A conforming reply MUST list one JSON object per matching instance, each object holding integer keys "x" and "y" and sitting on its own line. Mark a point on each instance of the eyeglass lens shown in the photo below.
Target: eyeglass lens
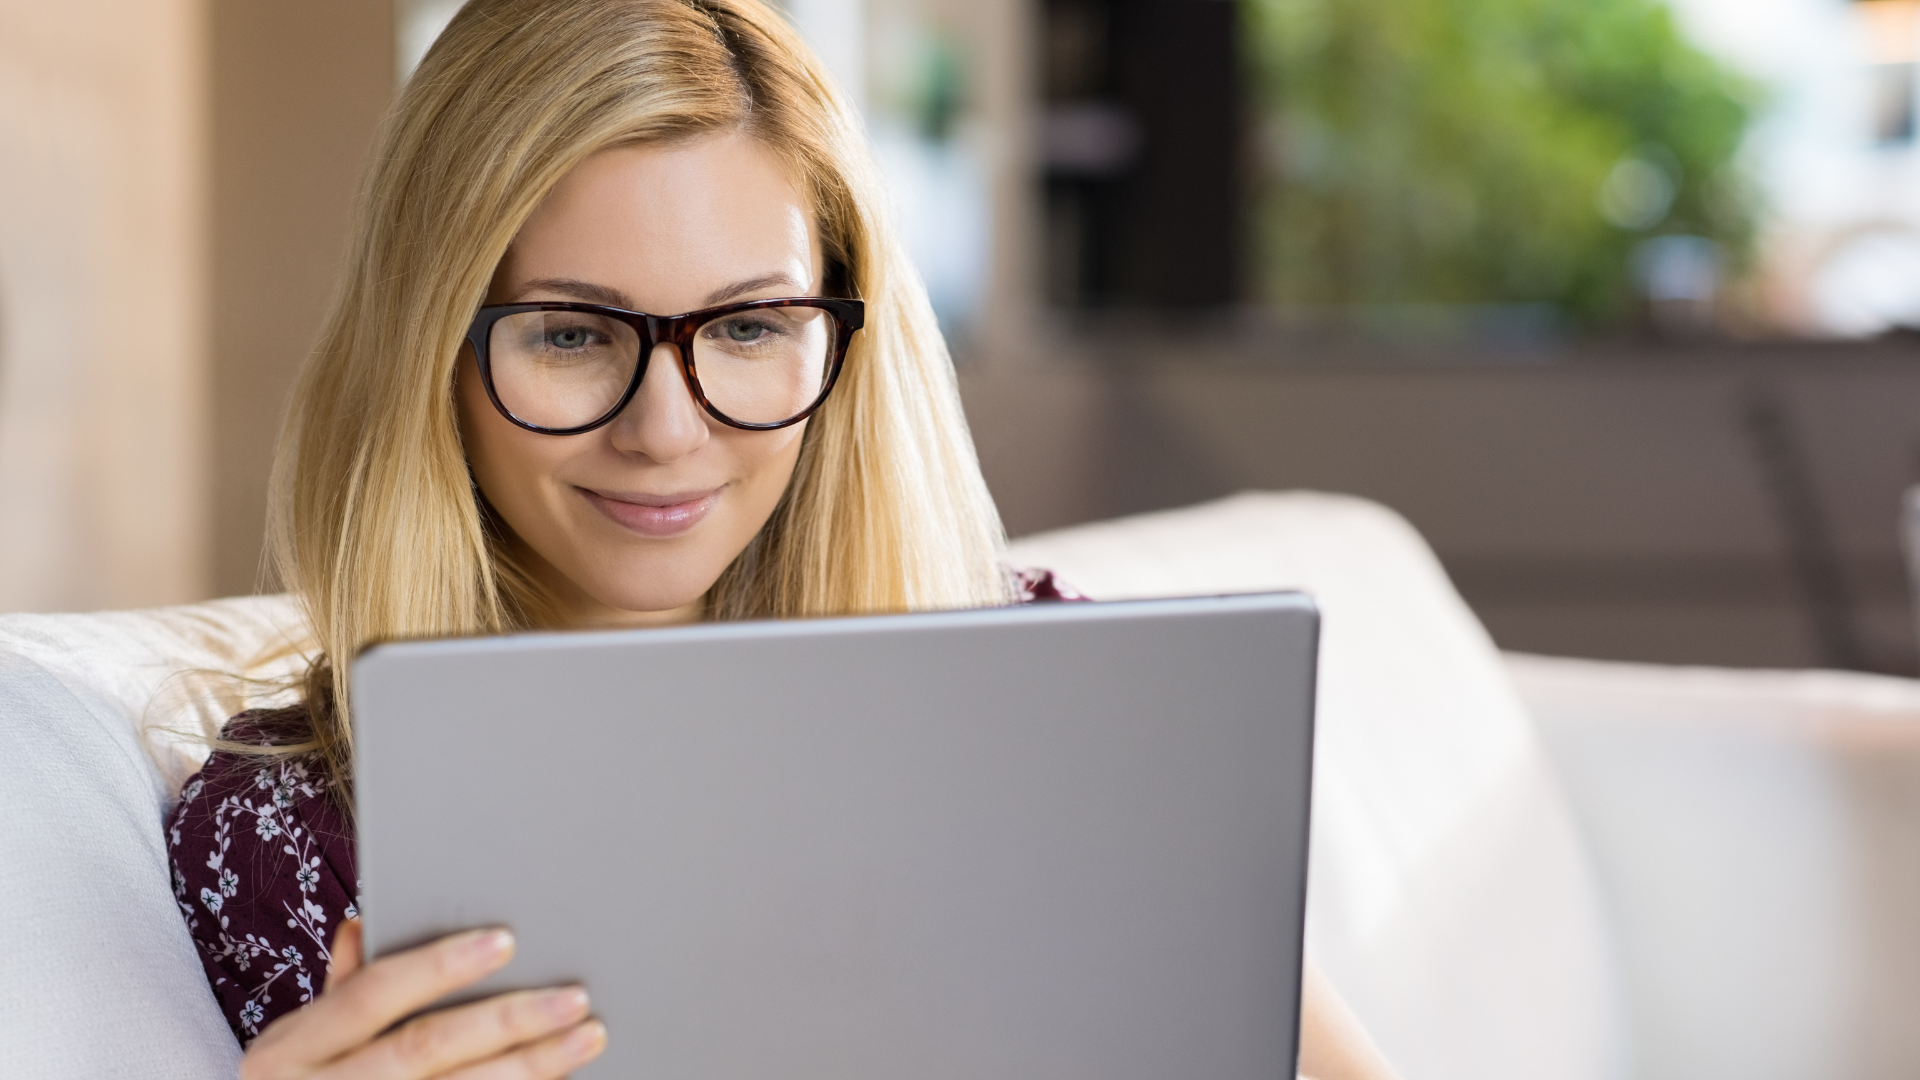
{"x": 564, "y": 369}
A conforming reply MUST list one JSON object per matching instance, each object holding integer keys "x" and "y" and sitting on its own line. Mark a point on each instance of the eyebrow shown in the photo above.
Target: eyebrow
{"x": 583, "y": 291}
{"x": 741, "y": 288}
{"x": 593, "y": 293}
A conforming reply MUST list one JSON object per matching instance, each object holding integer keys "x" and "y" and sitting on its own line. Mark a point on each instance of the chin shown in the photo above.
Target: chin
{"x": 661, "y": 591}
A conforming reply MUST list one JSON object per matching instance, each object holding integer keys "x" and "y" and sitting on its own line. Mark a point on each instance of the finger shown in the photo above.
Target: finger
{"x": 347, "y": 952}
{"x": 551, "y": 1057}
{"x": 375, "y": 997}
{"x": 436, "y": 1044}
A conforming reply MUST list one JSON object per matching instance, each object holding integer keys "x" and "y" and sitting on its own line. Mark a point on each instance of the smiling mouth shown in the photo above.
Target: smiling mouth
{"x": 654, "y": 515}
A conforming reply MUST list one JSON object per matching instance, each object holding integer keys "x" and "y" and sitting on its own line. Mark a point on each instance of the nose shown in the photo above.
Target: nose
{"x": 663, "y": 422}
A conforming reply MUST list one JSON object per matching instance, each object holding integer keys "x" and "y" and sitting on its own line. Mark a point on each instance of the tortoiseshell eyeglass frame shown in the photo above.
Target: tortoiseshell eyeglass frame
{"x": 678, "y": 331}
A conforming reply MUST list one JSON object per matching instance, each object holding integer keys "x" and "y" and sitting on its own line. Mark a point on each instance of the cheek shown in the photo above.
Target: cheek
{"x": 766, "y": 458}
{"x": 477, "y": 436}
{"x": 506, "y": 461}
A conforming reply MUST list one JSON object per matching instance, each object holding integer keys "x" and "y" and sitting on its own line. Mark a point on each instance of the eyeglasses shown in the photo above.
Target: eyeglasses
{"x": 566, "y": 369}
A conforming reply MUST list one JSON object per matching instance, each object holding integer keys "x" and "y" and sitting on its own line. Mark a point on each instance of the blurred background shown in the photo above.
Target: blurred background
{"x": 1618, "y": 301}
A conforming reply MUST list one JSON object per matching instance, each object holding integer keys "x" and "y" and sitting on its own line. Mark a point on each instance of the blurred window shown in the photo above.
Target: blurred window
{"x": 1530, "y": 170}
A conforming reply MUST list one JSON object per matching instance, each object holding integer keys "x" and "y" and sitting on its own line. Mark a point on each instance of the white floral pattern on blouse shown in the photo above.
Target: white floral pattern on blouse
{"x": 263, "y": 871}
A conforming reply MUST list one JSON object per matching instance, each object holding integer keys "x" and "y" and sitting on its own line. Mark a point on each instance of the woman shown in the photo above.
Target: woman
{"x": 489, "y": 437}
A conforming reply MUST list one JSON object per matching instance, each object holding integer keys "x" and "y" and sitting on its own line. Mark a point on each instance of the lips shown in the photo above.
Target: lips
{"x": 654, "y": 515}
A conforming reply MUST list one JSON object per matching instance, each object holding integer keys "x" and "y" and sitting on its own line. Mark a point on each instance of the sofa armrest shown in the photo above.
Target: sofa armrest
{"x": 1758, "y": 839}
{"x": 97, "y": 974}
{"x": 1451, "y": 899}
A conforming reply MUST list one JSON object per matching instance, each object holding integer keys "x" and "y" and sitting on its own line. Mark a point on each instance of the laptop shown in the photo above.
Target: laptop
{"x": 1037, "y": 843}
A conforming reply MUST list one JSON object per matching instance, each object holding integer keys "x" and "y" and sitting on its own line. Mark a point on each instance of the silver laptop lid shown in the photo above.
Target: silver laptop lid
{"x": 1057, "y": 841}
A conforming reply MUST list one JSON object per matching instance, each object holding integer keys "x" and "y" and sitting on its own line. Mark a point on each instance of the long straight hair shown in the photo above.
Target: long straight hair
{"x": 375, "y": 523}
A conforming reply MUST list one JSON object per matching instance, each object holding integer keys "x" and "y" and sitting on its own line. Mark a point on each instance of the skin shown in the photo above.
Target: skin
{"x": 1333, "y": 1045}
{"x": 662, "y": 230}
{"x": 519, "y": 1036}
{"x": 627, "y": 525}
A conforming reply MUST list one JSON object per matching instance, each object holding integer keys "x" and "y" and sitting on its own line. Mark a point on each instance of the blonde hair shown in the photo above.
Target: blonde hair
{"x": 375, "y": 524}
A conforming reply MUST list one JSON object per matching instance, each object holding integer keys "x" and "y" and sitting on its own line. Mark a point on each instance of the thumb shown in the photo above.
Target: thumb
{"x": 346, "y": 953}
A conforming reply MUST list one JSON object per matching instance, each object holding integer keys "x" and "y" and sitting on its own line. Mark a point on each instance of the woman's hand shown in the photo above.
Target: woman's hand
{"x": 1333, "y": 1045}
{"x": 528, "y": 1035}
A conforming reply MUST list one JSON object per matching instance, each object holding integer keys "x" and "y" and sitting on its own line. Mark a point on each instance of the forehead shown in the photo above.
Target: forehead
{"x": 668, "y": 224}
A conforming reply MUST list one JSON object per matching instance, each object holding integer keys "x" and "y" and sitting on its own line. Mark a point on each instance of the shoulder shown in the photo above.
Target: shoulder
{"x": 235, "y": 768}
{"x": 273, "y": 789}
{"x": 258, "y": 798}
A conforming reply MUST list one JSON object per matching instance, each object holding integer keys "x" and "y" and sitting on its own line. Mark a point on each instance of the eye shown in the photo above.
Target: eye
{"x": 745, "y": 330}
{"x": 569, "y": 337}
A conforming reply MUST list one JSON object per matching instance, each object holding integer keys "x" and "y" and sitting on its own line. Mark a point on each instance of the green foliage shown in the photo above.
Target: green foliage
{"x": 1455, "y": 151}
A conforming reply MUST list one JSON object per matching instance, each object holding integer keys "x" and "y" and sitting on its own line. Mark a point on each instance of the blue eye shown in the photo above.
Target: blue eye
{"x": 569, "y": 337}
{"x": 743, "y": 330}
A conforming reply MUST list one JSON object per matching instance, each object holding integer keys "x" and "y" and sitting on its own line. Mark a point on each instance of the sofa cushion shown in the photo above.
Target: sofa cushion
{"x": 1758, "y": 833}
{"x": 97, "y": 974}
{"x": 98, "y": 977}
{"x": 1451, "y": 900}
{"x": 167, "y": 671}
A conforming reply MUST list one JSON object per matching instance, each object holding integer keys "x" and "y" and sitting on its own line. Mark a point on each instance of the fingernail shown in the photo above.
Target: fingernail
{"x": 586, "y": 1040}
{"x": 491, "y": 946}
{"x": 565, "y": 1004}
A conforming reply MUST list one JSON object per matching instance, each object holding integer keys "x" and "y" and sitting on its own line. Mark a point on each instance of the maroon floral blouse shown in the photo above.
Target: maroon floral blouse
{"x": 264, "y": 869}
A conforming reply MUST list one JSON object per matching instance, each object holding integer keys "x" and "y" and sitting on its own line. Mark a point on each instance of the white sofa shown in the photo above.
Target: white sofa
{"x": 1757, "y": 837}
{"x": 1523, "y": 869}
